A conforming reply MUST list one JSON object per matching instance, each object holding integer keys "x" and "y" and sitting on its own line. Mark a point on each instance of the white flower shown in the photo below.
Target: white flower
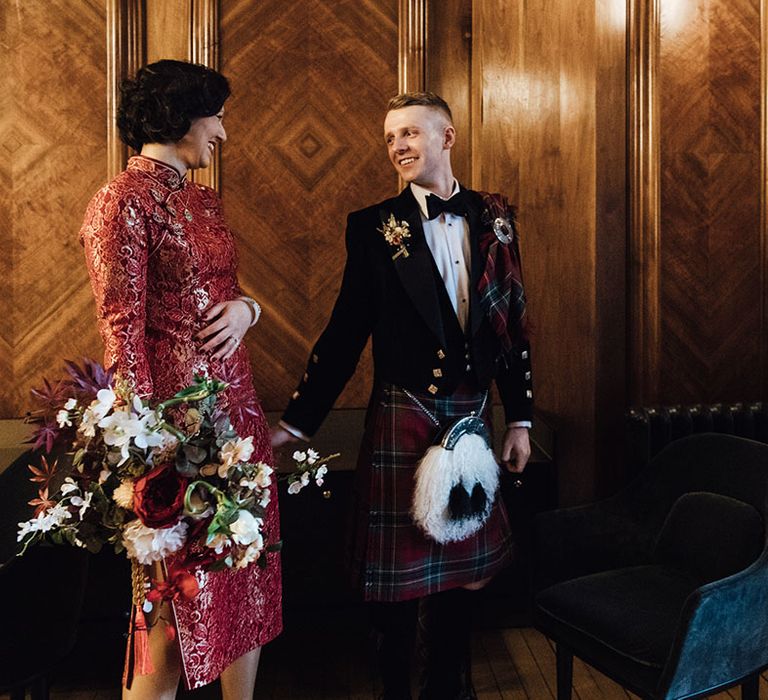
{"x": 305, "y": 478}
{"x": 51, "y": 519}
{"x": 123, "y": 427}
{"x": 97, "y": 409}
{"x": 262, "y": 479}
{"x": 82, "y": 503}
{"x": 312, "y": 456}
{"x": 233, "y": 452}
{"x": 71, "y": 403}
{"x": 105, "y": 400}
{"x": 321, "y": 472}
{"x": 251, "y": 554}
{"x": 265, "y": 498}
{"x": 89, "y": 422}
{"x": 299, "y": 456}
{"x": 68, "y": 486}
{"x": 264, "y": 475}
{"x": 146, "y": 544}
{"x": 166, "y": 450}
{"x": 218, "y": 542}
{"x": 319, "y": 482}
{"x": 63, "y": 419}
{"x": 246, "y": 529}
{"x": 295, "y": 487}
{"x": 123, "y": 494}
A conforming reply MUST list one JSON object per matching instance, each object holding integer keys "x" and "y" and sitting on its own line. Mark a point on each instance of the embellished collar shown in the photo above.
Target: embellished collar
{"x": 162, "y": 172}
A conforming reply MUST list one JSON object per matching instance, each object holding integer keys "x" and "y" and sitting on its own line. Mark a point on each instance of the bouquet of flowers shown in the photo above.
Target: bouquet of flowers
{"x": 169, "y": 479}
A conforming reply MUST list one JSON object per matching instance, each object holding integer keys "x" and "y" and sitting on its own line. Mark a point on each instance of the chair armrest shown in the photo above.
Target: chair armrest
{"x": 723, "y": 632}
{"x": 572, "y": 542}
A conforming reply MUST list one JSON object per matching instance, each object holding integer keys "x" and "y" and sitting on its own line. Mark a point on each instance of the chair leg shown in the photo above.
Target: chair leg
{"x": 40, "y": 689}
{"x": 750, "y": 688}
{"x": 564, "y": 662}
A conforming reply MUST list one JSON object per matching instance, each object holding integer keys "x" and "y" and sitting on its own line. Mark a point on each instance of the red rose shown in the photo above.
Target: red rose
{"x": 158, "y": 496}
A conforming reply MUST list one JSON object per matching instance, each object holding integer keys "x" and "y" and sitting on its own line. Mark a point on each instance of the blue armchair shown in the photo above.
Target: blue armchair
{"x": 664, "y": 586}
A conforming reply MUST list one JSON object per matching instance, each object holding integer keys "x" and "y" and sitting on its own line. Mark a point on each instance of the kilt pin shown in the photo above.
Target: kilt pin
{"x": 394, "y": 293}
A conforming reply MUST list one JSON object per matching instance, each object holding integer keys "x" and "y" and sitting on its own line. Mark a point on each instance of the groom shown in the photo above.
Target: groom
{"x": 434, "y": 276}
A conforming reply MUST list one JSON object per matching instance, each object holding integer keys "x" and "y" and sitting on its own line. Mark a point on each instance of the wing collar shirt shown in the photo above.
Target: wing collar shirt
{"x": 448, "y": 239}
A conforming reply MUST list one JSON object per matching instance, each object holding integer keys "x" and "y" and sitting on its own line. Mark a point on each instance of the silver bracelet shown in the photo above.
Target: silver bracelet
{"x": 255, "y": 308}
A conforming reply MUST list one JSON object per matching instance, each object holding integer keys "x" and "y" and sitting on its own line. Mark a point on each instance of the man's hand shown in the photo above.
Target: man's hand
{"x": 281, "y": 437}
{"x": 515, "y": 449}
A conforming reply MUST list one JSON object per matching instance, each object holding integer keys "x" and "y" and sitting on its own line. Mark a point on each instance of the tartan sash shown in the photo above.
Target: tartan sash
{"x": 501, "y": 285}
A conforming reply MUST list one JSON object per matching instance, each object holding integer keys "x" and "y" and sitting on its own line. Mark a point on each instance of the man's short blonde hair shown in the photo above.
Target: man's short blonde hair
{"x": 424, "y": 99}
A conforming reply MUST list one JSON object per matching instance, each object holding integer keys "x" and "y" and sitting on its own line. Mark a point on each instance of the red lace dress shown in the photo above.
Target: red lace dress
{"x": 159, "y": 254}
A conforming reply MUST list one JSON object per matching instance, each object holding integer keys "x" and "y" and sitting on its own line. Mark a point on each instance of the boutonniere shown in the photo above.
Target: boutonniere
{"x": 395, "y": 232}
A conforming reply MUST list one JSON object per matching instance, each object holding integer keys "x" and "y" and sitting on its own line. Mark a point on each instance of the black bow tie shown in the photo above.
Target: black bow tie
{"x": 455, "y": 205}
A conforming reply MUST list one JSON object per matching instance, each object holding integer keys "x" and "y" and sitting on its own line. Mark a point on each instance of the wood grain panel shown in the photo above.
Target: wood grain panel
{"x": 55, "y": 159}
{"x": 610, "y": 241}
{"x": 548, "y": 105}
{"x": 644, "y": 175}
{"x": 711, "y": 267}
{"x": 305, "y": 148}
{"x": 169, "y": 25}
{"x": 449, "y": 71}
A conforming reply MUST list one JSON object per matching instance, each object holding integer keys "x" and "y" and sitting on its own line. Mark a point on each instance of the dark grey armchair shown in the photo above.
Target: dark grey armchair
{"x": 664, "y": 587}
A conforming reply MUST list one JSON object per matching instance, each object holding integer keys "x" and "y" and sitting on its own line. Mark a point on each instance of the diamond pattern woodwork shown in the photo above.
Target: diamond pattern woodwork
{"x": 310, "y": 81}
{"x": 711, "y": 294}
{"x": 52, "y": 142}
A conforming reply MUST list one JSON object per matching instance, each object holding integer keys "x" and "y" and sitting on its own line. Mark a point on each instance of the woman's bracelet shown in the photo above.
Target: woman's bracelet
{"x": 255, "y": 308}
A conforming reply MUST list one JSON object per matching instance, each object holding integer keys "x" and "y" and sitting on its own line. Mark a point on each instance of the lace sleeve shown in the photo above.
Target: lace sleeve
{"x": 114, "y": 236}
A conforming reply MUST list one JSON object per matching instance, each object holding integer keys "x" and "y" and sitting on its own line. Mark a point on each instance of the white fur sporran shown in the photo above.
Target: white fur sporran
{"x": 456, "y": 483}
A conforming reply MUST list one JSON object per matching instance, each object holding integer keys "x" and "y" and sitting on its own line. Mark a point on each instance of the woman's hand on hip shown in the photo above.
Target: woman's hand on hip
{"x": 229, "y": 322}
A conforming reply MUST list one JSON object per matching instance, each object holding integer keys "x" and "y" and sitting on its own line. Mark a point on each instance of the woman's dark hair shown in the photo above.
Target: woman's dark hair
{"x": 159, "y": 104}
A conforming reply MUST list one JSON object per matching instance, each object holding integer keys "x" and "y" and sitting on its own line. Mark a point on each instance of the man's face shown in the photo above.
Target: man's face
{"x": 419, "y": 140}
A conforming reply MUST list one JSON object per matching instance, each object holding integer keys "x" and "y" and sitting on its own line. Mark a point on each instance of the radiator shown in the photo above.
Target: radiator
{"x": 650, "y": 429}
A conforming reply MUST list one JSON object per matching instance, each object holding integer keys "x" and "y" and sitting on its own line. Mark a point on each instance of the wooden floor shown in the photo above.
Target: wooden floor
{"x": 330, "y": 659}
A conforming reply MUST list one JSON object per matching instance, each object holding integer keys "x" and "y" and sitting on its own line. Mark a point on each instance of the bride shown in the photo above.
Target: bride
{"x": 162, "y": 265}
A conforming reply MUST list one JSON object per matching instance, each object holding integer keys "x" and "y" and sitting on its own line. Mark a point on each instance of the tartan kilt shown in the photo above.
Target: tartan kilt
{"x": 389, "y": 556}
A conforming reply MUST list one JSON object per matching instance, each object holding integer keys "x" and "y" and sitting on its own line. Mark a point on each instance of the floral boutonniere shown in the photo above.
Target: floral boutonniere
{"x": 395, "y": 232}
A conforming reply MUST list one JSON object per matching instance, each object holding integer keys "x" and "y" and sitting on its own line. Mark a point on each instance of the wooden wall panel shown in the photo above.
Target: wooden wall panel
{"x": 169, "y": 24}
{"x": 548, "y": 128}
{"x": 310, "y": 84}
{"x": 449, "y": 72}
{"x": 53, "y": 133}
{"x": 711, "y": 265}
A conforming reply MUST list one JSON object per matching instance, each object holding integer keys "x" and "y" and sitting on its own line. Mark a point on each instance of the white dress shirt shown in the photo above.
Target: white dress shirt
{"x": 448, "y": 240}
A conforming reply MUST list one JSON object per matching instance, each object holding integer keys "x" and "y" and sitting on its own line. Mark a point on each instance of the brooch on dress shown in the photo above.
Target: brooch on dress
{"x": 395, "y": 232}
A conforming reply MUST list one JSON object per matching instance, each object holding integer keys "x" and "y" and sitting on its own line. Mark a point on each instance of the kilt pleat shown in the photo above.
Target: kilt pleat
{"x": 390, "y": 557}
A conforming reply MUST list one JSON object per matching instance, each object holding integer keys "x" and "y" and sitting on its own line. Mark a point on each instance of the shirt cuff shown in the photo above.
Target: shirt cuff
{"x": 519, "y": 424}
{"x": 293, "y": 431}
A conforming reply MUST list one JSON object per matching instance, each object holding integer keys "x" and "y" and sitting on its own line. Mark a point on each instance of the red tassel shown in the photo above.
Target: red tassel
{"x": 138, "y": 661}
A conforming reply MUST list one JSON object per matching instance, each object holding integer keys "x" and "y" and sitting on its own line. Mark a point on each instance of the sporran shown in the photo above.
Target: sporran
{"x": 456, "y": 479}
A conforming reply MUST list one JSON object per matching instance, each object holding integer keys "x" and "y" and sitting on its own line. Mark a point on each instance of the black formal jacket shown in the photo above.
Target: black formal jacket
{"x": 418, "y": 343}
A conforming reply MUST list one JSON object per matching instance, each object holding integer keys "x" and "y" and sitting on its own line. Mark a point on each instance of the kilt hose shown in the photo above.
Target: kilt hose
{"x": 390, "y": 558}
